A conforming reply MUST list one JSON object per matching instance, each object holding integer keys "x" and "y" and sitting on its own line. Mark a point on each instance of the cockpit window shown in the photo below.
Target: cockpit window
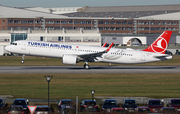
{"x": 14, "y": 43}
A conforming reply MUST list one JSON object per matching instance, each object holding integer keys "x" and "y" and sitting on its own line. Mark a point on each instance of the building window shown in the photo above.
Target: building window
{"x": 124, "y": 22}
{"x": 141, "y": 28}
{"x": 37, "y": 22}
{"x": 37, "y": 28}
{"x": 113, "y": 38}
{"x": 168, "y": 23}
{"x": 118, "y": 28}
{"x": 140, "y": 23}
{"x": 88, "y": 28}
{"x": 76, "y": 22}
{"x": 41, "y": 38}
{"x": 3, "y": 21}
{"x": 146, "y": 23}
{"x": 100, "y": 28}
{"x": 118, "y": 22}
{"x": 82, "y": 22}
{"x": 174, "y": 23}
{"x": 50, "y": 28}
{"x": 70, "y": 28}
{"x": 152, "y": 28}
{"x": 70, "y": 22}
{"x": 124, "y": 28}
{"x": 76, "y": 27}
{"x": 3, "y": 27}
{"x": 129, "y": 28}
{"x": 10, "y": 21}
{"x": 17, "y": 21}
{"x": 57, "y": 22}
{"x": 106, "y": 22}
{"x": 56, "y": 28}
{"x": 17, "y": 28}
{"x": 163, "y": 23}
{"x": 106, "y": 28}
{"x": 112, "y": 22}
{"x": 130, "y": 22}
{"x": 146, "y": 28}
{"x": 163, "y": 28}
{"x": 151, "y": 23}
{"x": 88, "y": 22}
{"x": 157, "y": 28}
{"x": 24, "y": 21}
{"x": 63, "y": 22}
{"x": 60, "y": 38}
{"x": 101, "y": 22}
{"x": 31, "y": 28}
{"x": 158, "y": 23}
{"x": 113, "y": 28}
{"x": 49, "y": 22}
{"x": 30, "y": 21}
{"x": 9, "y": 28}
{"x": 23, "y": 28}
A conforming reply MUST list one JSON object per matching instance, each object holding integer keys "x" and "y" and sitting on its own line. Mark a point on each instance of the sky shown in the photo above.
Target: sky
{"x": 82, "y": 3}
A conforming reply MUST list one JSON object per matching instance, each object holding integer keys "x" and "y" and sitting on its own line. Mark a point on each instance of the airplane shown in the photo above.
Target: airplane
{"x": 72, "y": 54}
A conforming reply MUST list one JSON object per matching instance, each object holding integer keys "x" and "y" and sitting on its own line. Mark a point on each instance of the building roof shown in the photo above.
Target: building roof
{"x": 132, "y": 14}
{"x": 131, "y": 8}
{"x": 12, "y": 12}
{"x": 60, "y": 10}
{"x": 156, "y": 12}
{"x": 166, "y": 16}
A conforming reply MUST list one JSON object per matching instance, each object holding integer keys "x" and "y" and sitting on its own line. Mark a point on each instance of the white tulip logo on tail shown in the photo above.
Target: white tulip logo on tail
{"x": 160, "y": 45}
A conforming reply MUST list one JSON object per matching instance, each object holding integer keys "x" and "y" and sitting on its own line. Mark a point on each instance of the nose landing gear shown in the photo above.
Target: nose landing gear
{"x": 23, "y": 59}
{"x": 86, "y": 66}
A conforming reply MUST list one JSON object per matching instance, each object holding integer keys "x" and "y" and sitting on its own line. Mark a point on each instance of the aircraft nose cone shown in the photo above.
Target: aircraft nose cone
{"x": 7, "y": 48}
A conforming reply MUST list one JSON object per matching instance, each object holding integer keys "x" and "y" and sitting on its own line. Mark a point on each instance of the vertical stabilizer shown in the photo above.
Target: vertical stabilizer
{"x": 160, "y": 44}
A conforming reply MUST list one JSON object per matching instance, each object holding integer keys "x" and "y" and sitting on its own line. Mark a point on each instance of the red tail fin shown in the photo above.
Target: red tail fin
{"x": 160, "y": 44}
{"x": 104, "y": 45}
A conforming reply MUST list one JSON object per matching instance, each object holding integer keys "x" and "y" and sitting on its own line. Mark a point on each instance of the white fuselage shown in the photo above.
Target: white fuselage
{"x": 57, "y": 50}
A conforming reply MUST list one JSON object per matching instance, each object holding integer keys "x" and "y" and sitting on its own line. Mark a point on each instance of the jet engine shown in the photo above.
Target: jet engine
{"x": 69, "y": 59}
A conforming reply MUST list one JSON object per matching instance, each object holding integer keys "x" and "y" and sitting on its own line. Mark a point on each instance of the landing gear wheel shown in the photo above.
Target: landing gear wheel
{"x": 22, "y": 61}
{"x": 86, "y": 66}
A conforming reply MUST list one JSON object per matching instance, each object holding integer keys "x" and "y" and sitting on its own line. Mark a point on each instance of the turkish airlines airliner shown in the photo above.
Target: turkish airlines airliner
{"x": 71, "y": 54}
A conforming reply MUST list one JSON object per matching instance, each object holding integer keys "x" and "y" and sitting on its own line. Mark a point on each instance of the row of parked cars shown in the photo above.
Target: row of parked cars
{"x": 66, "y": 106}
{"x": 129, "y": 106}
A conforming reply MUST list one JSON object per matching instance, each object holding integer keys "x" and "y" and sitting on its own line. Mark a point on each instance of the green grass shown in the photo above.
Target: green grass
{"x": 40, "y": 61}
{"x": 71, "y": 85}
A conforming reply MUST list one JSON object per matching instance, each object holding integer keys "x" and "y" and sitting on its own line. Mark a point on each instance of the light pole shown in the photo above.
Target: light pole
{"x": 48, "y": 78}
{"x": 92, "y": 92}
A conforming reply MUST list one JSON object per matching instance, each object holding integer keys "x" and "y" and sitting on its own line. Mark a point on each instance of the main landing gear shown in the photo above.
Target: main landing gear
{"x": 86, "y": 66}
{"x": 23, "y": 59}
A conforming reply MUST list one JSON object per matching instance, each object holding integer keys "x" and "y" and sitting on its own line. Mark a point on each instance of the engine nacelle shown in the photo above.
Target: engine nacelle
{"x": 69, "y": 59}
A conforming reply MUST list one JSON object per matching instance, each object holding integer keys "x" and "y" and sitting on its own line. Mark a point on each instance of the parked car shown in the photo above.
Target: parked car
{"x": 143, "y": 110}
{"x": 168, "y": 110}
{"x": 129, "y": 105}
{"x": 42, "y": 110}
{"x": 155, "y": 105}
{"x": 117, "y": 110}
{"x": 89, "y": 105}
{"x": 65, "y": 103}
{"x": 21, "y": 101}
{"x": 17, "y": 109}
{"x": 174, "y": 103}
{"x": 69, "y": 110}
{"x": 2, "y": 104}
{"x": 108, "y": 104}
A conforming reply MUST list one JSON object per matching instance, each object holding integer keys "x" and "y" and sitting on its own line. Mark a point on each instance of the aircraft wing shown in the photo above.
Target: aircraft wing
{"x": 92, "y": 56}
